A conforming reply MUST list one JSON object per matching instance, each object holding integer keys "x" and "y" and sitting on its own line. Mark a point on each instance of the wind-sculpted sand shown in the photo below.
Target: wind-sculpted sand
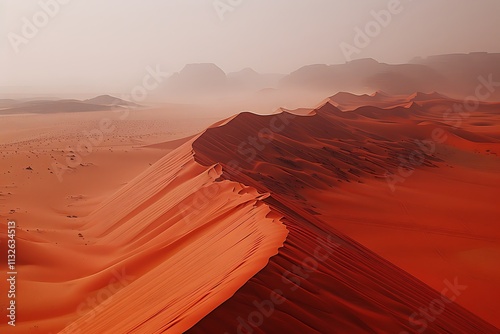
{"x": 324, "y": 221}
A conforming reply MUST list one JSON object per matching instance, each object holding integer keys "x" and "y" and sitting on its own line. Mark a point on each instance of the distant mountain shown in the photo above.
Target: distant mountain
{"x": 453, "y": 75}
{"x": 252, "y": 80}
{"x": 205, "y": 78}
{"x": 107, "y": 100}
{"x": 244, "y": 75}
{"x": 456, "y": 75}
{"x": 363, "y": 75}
{"x": 99, "y": 103}
{"x": 462, "y": 71}
{"x": 7, "y": 103}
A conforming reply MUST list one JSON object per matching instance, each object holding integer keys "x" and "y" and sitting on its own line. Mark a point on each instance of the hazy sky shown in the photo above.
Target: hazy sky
{"x": 107, "y": 44}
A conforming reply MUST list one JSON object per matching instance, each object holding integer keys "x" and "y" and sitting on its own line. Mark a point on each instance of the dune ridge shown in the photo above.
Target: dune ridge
{"x": 354, "y": 290}
{"x": 267, "y": 209}
{"x": 162, "y": 239}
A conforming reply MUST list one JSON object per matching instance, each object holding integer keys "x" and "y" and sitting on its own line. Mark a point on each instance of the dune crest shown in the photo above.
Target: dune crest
{"x": 174, "y": 221}
{"x": 307, "y": 168}
{"x": 268, "y": 208}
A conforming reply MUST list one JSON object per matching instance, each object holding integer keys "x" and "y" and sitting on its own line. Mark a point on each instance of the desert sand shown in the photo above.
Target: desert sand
{"x": 285, "y": 222}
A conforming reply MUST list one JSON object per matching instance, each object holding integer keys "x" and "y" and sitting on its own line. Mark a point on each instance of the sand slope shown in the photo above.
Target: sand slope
{"x": 188, "y": 258}
{"x": 283, "y": 223}
{"x": 314, "y": 169}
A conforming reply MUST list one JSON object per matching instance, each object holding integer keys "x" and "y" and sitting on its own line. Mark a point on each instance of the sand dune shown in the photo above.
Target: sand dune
{"x": 50, "y": 213}
{"x": 187, "y": 259}
{"x": 284, "y": 223}
{"x": 353, "y": 283}
{"x": 348, "y": 101}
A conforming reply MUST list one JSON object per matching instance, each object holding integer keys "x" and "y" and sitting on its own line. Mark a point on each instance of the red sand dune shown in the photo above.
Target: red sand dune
{"x": 181, "y": 260}
{"x": 348, "y": 101}
{"x": 311, "y": 169}
{"x": 286, "y": 223}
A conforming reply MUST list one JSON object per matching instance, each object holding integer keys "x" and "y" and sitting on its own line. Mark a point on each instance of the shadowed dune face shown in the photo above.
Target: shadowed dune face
{"x": 338, "y": 146}
{"x": 348, "y": 101}
{"x": 350, "y": 288}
